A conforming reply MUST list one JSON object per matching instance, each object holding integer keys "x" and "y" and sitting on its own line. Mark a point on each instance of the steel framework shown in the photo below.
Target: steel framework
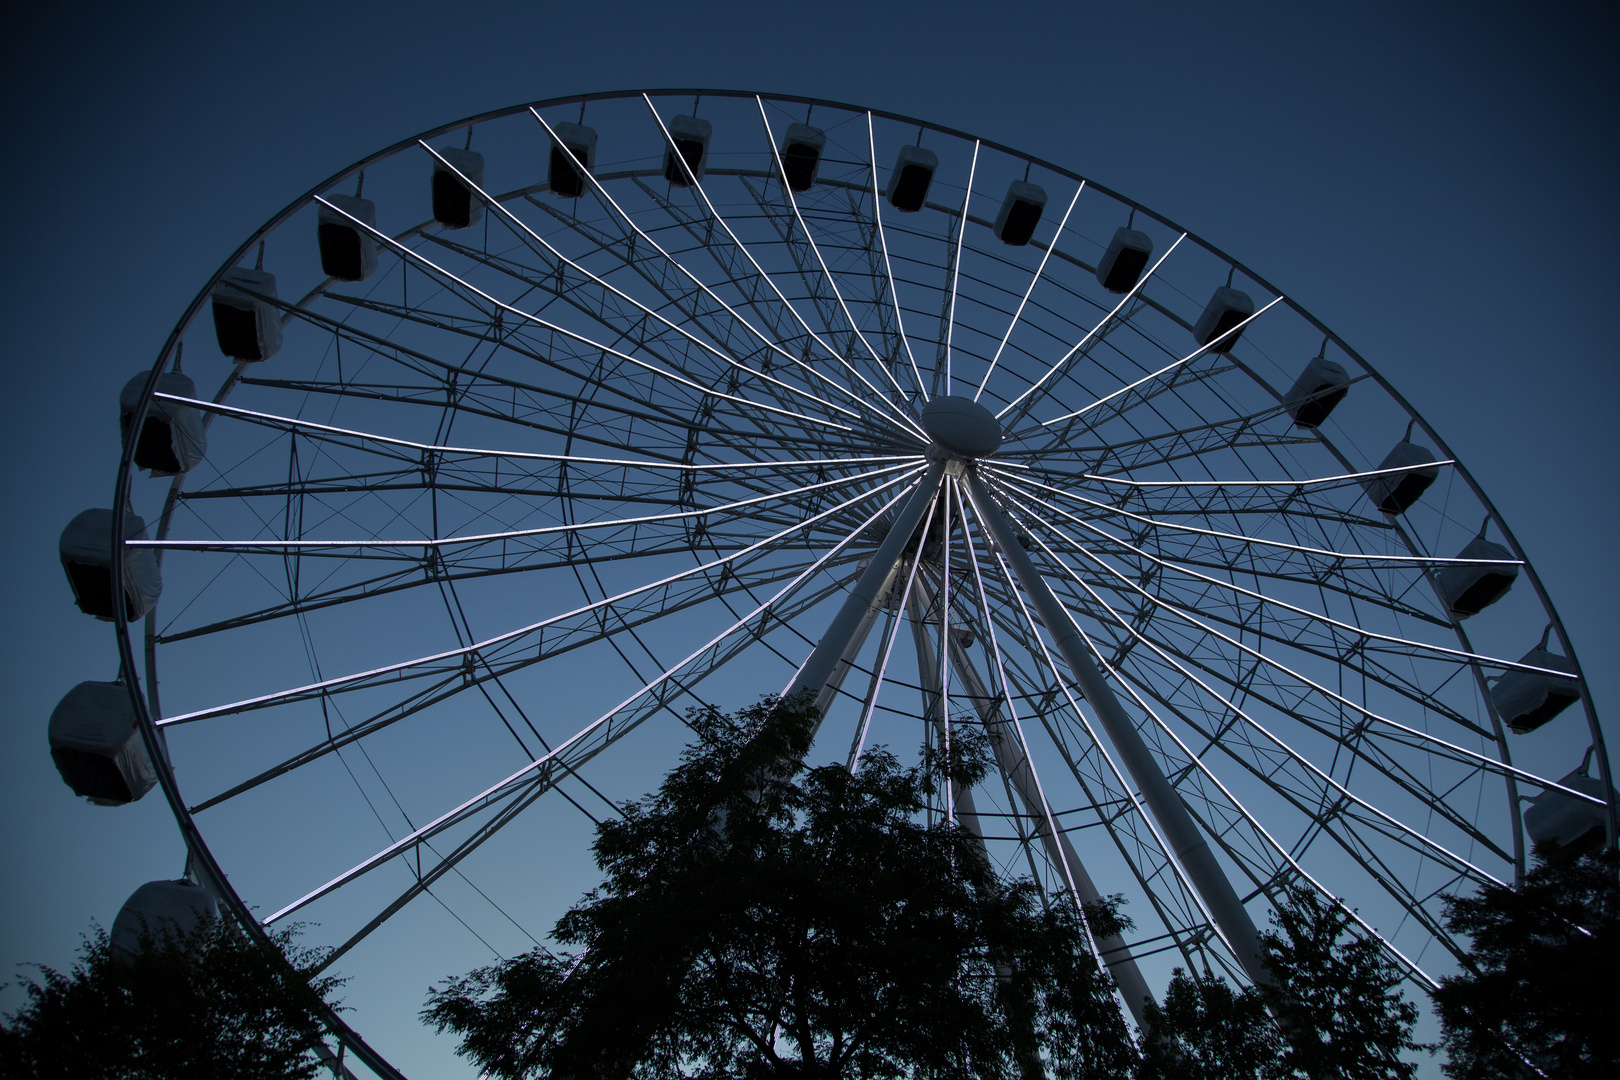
{"x": 464, "y": 551}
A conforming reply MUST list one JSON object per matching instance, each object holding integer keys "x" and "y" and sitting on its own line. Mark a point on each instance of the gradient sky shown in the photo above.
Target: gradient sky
{"x": 1434, "y": 182}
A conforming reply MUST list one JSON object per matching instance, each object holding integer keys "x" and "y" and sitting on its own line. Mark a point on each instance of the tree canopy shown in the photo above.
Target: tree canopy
{"x": 1334, "y": 1012}
{"x": 1337, "y": 997}
{"x": 210, "y": 1002}
{"x": 759, "y": 919}
{"x": 1206, "y": 1029}
{"x": 1544, "y": 989}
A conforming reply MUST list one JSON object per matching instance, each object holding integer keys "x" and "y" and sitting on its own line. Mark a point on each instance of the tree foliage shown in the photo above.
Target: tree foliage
{"x": 1205, "y": 1028}
{"x": 1544, "y": 989}
{"x": 761, "y": 919}
{"x": 210, "y": 1002}
{"x": 1337, "y": 995}
{"x": 1335, "y": 1011}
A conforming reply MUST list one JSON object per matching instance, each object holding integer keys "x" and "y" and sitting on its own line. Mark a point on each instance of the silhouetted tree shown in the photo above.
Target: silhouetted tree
{"x": 1206, "y": 1029}
{"x": 208, "y": 1003}
{"x": 760, "y": 919}
{"x": 1334, "y": 1013}
{"x": 1337, "y": 997}
{"x": 1544, "y": 991}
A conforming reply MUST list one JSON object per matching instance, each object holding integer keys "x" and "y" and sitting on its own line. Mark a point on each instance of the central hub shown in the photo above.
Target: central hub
{"x": 962, "y": 426}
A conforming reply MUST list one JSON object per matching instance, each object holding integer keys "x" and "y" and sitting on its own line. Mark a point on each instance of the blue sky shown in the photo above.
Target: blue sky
{"x": 1435, "y": 184}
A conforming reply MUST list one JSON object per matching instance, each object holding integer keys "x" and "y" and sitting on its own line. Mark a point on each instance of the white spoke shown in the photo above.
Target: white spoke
{"x": 888, "y": 267}
{"x": 645, "y": 365}
{"x": 770, "y": 138}
{"x": 1321, "y": 481}
{"x": 892, "y": 410}
{"x": 1080, "y": 345}
{"x": 513, "y": 534}
{"x": 535, "y": 237}
{"x": 765, "y": 340}
{"x": 1327, "y": 553}
{"x": 1039, "y": 270}
{"x": 956, "y": 265}
{"x": 1458, "y": 655}
{"x": 527, "y": 775}
{"x": 1185, "y": 360}
{"x": 291, "y": 423}
{"x": 341, "y": 682}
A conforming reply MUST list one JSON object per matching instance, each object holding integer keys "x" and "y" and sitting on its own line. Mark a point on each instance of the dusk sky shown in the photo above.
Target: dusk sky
{"x": 1434, "y": 182}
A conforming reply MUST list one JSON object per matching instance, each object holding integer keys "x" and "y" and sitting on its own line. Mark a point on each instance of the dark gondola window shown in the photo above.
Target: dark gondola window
{"x": 341, "y": 256}
{"x": 237, "y": 331}
{"x": 799, "y": 163}
{"x": 452, "y": 201}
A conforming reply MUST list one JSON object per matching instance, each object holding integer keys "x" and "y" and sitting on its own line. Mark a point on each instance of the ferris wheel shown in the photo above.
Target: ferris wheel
{"x": 480, "y": 464}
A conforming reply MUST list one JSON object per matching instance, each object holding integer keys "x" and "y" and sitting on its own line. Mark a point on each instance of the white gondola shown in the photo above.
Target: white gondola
{"x": 1317, "y": 391}
{"x": 348, "y": 251}
{"x": 691, "y": 137}
{"x": 172, "y": 437}
{"x": 1217, "y": 326}
{"x": 801, "y": 156}
{"x": 1565, "y": 821}
{"x": 159, "y": 909}
{"x": 455, "y": 206}
{"x": 86, "y": 552}
{"x": 1394, "y": 492}
{"x": 573, "y": 155}
{"x": 1527, "y": 699}
{"x": 913, "y": 174}
{"x": 97, "y": 745}
{"x": 1020, "y": 213}
{"x": 1122, "y": 264}
{"x": 1468, "y": 590}
{"x": 247, "y": 323}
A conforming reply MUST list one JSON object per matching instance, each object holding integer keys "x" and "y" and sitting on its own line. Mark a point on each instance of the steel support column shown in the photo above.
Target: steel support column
{"x": 1014, "y": 766}
{"x": 818, "y": 670}
{"x": 1179, "y": 830}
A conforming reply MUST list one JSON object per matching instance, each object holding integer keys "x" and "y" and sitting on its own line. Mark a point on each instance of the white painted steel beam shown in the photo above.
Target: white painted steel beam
{"x": 1190, "y": 847}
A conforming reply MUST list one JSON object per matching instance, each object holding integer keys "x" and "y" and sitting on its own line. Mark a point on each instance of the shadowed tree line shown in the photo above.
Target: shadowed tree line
{"x": 762, "y": 919}
{"x": 210, "y": 1002}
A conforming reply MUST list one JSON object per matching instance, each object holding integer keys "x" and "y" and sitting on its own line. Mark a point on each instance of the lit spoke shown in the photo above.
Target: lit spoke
{"x": 891, "y": 409}
{"x": 535, "y": 237}
{"x": 541, "y": 770}
{"x": 1080, "y": 346}
{"x": 956, "y": 267}
{"x": 888, "y": 267}
{"x": 271, "y": 545}
{"x": 595, "y": 346}
{"x": 1167, "y": 369}
{"x": 289, "y": 423}
{"x": 1039, "y": 270}
{"x": 770, "y": 138}
{"x": 457, "y": 656}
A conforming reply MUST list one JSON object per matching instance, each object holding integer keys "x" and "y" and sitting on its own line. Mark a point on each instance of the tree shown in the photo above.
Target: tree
{"x": 211, "y": 1002}
{"x": 1335, "y": 1011}
{"x": 1206, "y": 1029}
{"x": 1337, "y": 995}
{"x": 1543, "y": 988}
{"x": 761, "y": 919}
